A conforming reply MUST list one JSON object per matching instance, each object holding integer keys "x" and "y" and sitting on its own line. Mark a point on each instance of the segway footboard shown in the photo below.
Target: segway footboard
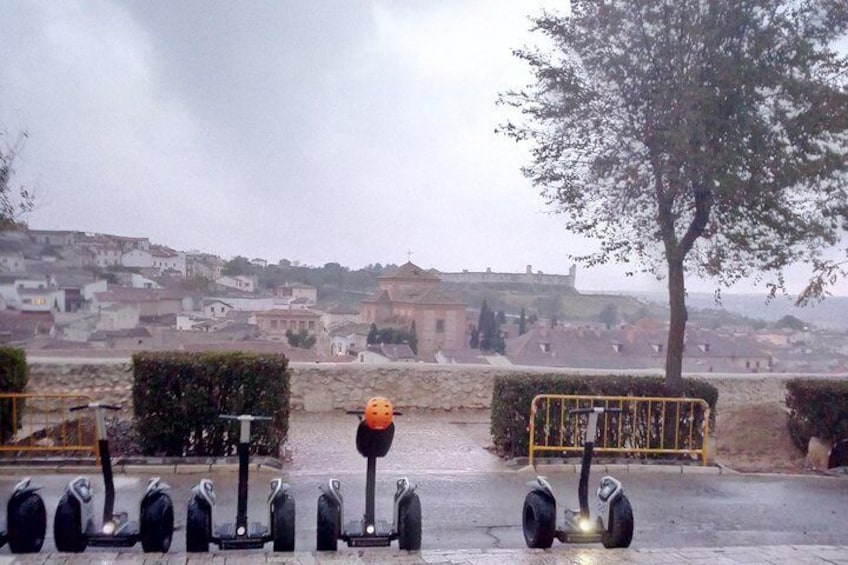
{"x": 382, "y": 536}
{"x": 226, "y": 536}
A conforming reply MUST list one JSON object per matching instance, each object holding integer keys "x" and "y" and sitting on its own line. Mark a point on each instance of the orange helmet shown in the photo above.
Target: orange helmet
{"x": 378, "y": 413}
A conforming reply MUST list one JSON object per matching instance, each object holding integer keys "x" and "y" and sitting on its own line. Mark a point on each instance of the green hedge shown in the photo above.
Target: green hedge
{"x": 512, "y": 395}
{"x": 817, "y": 407}
{"x": 177, "y": 398}
{"x": 13, "y": 378}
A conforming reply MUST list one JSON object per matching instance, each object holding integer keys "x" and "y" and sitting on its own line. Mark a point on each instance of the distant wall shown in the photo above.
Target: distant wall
{"x": 328, "y": 386}
{"x": 566, "y": 281}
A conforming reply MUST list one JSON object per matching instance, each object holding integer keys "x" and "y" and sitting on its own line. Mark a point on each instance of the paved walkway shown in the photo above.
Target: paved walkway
{"x": 560, "y": 555}
{"x": 454, "y": 441}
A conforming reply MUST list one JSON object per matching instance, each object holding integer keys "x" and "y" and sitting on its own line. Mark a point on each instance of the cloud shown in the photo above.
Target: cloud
{"x": 330, "y": 131}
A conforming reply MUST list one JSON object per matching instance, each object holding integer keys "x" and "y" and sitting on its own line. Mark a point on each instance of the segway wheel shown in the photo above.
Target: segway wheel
{"x": 329, "y": 524}
{"x": 539, "y": 520}
{"x": 619, "y": 532}
{"x": 27, "y": 523}
{"x": 198, "y": 526}
{"x": 409, "y": 524}
{"x": 283, "y": 523}
{"x": 157, "y": 523}
{"x": 67, "y": 526}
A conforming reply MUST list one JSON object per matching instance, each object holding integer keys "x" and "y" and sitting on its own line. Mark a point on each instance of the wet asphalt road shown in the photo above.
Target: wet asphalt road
{"x": 471, "y": 499}
{"x": 483, "y": 510}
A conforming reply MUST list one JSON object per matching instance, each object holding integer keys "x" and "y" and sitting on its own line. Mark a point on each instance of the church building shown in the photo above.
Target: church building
{"x": 412, "y": 294}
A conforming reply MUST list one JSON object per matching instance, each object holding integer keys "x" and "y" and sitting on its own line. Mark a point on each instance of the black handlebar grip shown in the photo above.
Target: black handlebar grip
{"x": 94, "y": 405}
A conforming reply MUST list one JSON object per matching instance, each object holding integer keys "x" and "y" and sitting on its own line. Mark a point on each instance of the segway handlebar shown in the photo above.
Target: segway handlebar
{"x": 359, "y": 413}
{"x": 244, "y": 421}
{"x": 245, "y": 418}
{"x": 595, "y": 409}
{"x": 94, "y": 405}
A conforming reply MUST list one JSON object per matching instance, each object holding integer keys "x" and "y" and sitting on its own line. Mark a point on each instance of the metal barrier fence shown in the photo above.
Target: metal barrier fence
{"x": 42, "y": 424}
{"x": 646, "y": 427}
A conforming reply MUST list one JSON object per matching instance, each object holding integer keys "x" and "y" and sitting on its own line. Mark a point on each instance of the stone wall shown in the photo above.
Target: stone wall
{"x": 328, "y": 386}
{"x": 314, "y": 387}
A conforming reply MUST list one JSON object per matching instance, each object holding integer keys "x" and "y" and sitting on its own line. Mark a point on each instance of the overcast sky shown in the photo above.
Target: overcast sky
{"x": 350, "y": 131}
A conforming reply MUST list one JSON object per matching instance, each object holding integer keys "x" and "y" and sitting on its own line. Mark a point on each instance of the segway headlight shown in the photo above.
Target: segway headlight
{"x": 109, "y": 528}
{"x": 585, "y": 524}
{"x": 369, "y": 529}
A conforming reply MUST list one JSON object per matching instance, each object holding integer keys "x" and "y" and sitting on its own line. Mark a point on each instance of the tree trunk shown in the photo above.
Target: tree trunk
{"x": 676, "y": 327}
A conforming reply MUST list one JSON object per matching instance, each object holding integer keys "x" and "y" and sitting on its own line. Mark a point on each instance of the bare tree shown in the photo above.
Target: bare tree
{"x": 15, "y": 201}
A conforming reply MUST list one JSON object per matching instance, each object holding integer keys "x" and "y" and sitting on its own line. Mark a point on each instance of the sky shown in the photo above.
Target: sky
{"x": 348, "y": 131}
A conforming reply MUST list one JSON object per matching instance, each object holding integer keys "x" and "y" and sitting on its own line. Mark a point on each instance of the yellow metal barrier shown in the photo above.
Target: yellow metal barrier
{"x": 44, "y": 425}
{"x": 645, "y": 427}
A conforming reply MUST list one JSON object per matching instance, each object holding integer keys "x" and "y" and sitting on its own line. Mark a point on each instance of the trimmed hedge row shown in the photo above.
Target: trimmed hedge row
{"x": 13, "y": 378}
{"x": 512, "y": 395}
{"x": 177, "y": 398}
{"x": 817, "y": 407}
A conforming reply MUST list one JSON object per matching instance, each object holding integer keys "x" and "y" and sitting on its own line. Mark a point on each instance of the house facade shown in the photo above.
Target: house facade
{"x": 11, "y": 261}
{"x": 216, "y": 308}
{"x": 239, "y": 282}
{"x": 276, "y": 322}
{"x": 293, "y": 291}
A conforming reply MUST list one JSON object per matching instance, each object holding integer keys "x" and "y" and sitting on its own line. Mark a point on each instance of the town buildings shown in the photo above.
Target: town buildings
{"x": 67, "y": 291}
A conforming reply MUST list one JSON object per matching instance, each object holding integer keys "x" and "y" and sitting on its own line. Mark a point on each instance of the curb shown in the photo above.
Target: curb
{"x": 631, "y": 469}
{"x": 141, "y": 465}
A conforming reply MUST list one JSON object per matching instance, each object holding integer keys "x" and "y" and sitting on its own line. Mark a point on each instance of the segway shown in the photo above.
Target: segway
{"x": 199, "y": 530}
{"x": 373, "y": 439}
{"x": 74, "y": 526}
{"x": 26, "y": 519}
{"x": 539, "y": 517}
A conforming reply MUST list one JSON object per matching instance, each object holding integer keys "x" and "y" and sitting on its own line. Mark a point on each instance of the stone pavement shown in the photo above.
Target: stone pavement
{"x": 559, "y": 554}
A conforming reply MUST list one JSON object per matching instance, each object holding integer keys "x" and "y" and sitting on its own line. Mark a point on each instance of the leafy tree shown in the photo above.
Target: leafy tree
{"x": 522, "y": 323}
{"x": 238, "y": 266}
{"x": 413, "y": 338}
{"x": 489, "y": 337}
{"x": 302, "y": 339}
{"x": 474, "y": 342}
{"x": 609, "y": 315}
{"x": 394, "y": 336}
{"x": 707, "y": 137}
{"x": 483, "y": 326}
{"x": 791, "y": 322}
{"x": 15, "y": 201}
{"x": 501, "y": 317}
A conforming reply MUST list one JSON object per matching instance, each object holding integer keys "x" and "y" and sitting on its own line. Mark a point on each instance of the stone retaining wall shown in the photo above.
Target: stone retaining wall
{"x": 327, "y": 386}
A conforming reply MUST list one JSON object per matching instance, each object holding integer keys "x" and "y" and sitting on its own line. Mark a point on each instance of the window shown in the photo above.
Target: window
{"x": 273, "y": 324}
{"x": 311, "y": 324}
{"x": 440, "y": 326}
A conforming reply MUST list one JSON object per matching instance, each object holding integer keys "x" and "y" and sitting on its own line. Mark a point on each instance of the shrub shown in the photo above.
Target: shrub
{"x": 13, "y": 378}
{"x": 177, "y": 398}
{"x": 817, "y": 407}
{"x": 513, "y": 394}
